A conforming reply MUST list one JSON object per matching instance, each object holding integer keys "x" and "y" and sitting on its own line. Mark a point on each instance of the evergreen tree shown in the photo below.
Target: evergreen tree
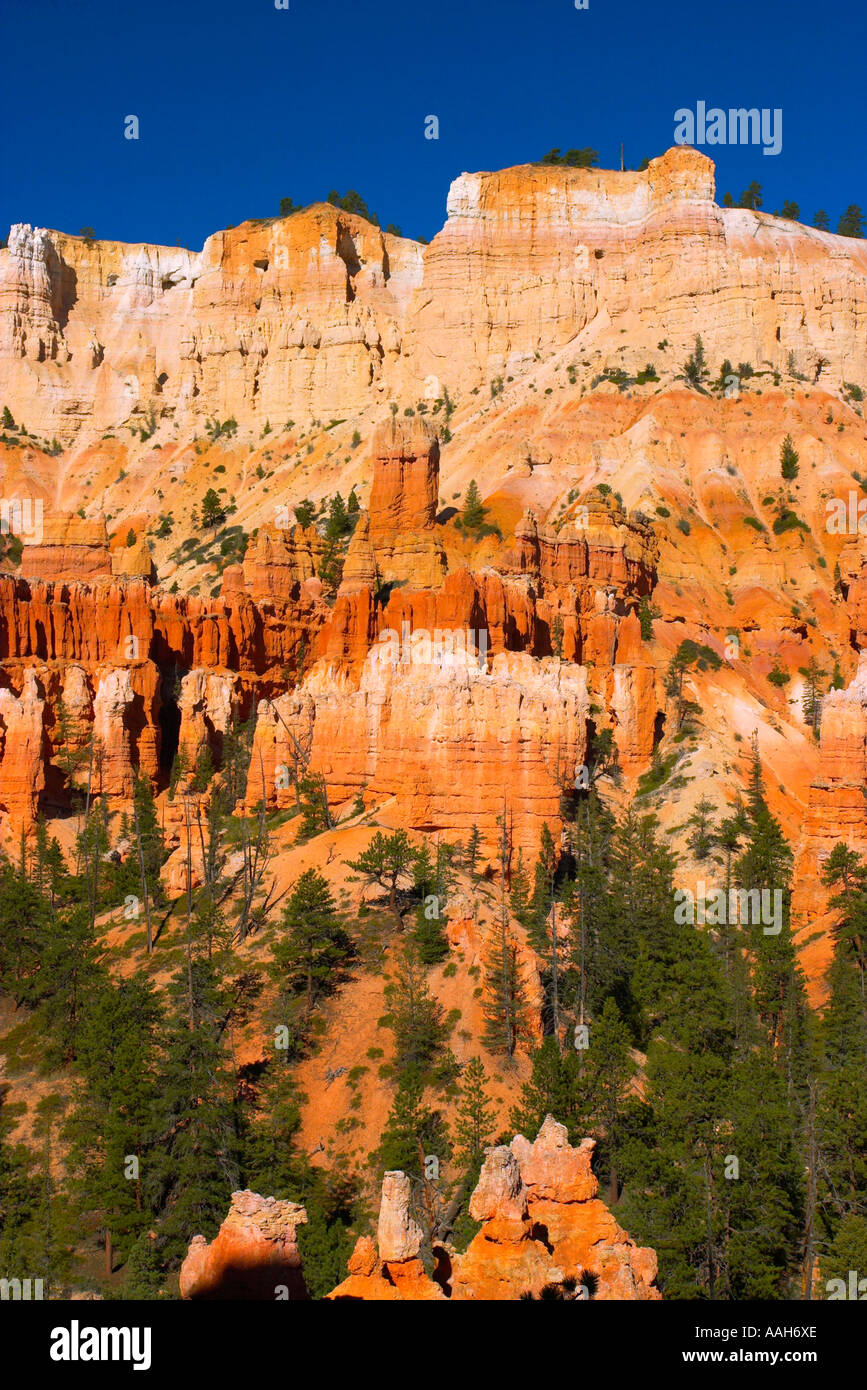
{"x": 429, "y": 934}
{"x": 112, "y": 1129}
{"x": 305, "y": 513}
{"x": 764, "y": 867}
{"x": 645, "y": 618}
{"x": 473, "y": 847}
{"x": 520, "y": 897}
{"x": 811, "y": 702}
{"x": 213, "y": 511}
{"x": 269, "y": 1160}
{"x": 324, "y": 1242}
{"x": 144, "y": 1272}
{"x": 19, "y": 1195}
{"x": 414, "y": 1016}
{"x": 315, "y": 946}
{"x": 24, "y": 929}
{"x": 385, "y": 861}
{"x": 196, "y": 1151}
{"x": 789, "y": 459}
{"x": 413, "y": 1130}
{"x": 71, "y": 974}
{"x": 338, "y": 525}
{"x": 474, "y": 1118}
{"x": 852, "y": 222}
{"x": 552, "y": 1089}
{"x": 473, "y": 513}
{"x": 702, "y": 838}
{"x": 605, "y": 1067}
{"x": 751, "y": 196}
{"x": 505, "y": 999}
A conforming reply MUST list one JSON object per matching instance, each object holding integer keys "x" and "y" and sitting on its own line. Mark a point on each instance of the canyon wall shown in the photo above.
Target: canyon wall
{"x": 321, "y": 313}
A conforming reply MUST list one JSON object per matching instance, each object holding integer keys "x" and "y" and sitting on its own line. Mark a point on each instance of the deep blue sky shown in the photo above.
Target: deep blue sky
{"x": 241, "y": 103}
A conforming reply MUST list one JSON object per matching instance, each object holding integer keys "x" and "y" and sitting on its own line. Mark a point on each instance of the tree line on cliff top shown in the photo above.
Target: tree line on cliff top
{"x": 730, "y": 1118}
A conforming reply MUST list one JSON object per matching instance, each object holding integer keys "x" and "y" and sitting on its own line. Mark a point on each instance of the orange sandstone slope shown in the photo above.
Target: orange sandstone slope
{"x": 536, "y": 346}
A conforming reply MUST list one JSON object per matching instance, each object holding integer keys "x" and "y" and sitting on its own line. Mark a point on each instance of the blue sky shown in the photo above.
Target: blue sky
{"x": 241, "y": 104}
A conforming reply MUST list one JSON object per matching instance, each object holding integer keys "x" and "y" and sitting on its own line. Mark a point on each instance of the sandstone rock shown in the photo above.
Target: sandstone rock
{"x": 254, "y": 1255}
{"x": 403, "y": 502}
{"x": 22, "y": 767}
{"x": 398, "y": 1236}
{"x": 393, "y": 1271}
{"x": 70, "y": 548}
{"x": 544, "y": 1228}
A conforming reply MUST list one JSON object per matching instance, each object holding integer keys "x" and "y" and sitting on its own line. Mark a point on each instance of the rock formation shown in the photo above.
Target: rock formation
{"x": 253, "y": 1256}
{"x": 543, "y": 1228}
{"x": 321, "y": 312}
{"x": 543, "y": 1231}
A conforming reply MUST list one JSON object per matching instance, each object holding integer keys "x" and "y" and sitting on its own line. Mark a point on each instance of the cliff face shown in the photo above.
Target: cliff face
{"x": 322, "y": 314}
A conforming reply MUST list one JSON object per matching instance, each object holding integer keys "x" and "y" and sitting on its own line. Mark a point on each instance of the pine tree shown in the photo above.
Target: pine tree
{"x": 429, "y": 934}
{"x": 841, "y": 1105}
{"x": 315, "y": 946}
{"x": 19, "y": 1195}
{"x": 324, "y": 1242}
{"x": 338, "y": 525}
{"x": 117, "y": 1055}
{"x": 145, "y": 1275}
{"x": 473, "y": 514}
{"x": 195, "y": 1157}
{"x": 543, "y": 889}
{"x": 586, "y": 901}
{"x": 605, "y": 1067}
{"x": 789, "y": 459}
{"x": 505, "y": 1000}
{"x": 385, "y": 861}
{"x": 473, "y": 848}
{"x": 703, "y": 836}
{"x": 811, "y": 703}
{"x": 414, "y": 1016}
{"x": 645, "y": 618}
{"x": 520, "y": 897}
{"x": 71, "y": 975}
{"x": 24, "y": 933}
{"x": 764, "y": 868}
{"x": 672, "y": 1159}
{"x": 474, "y": 1118}
{"x": 852, "y": 222}
{"x": 413, "y": 1129}
{"x": 552, "y": 1089}
{"x": 268, "y": 1156}
{"x": 213, "y": 511}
